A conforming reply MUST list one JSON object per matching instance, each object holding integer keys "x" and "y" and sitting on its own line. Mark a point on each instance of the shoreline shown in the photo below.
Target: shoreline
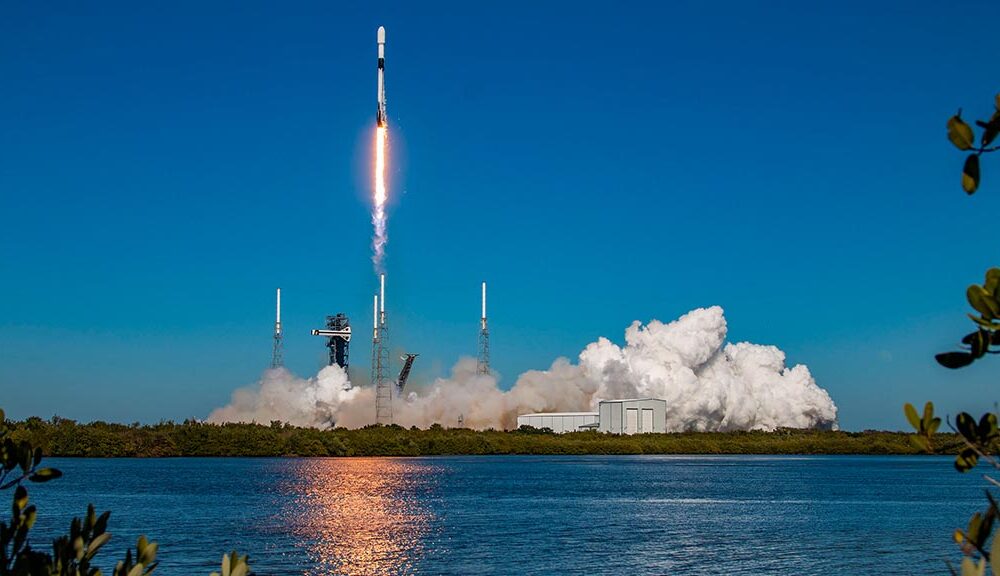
{"x": 60, "y": 437}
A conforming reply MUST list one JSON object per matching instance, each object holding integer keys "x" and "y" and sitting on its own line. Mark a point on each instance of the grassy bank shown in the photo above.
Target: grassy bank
{"x": 61, "y": 437}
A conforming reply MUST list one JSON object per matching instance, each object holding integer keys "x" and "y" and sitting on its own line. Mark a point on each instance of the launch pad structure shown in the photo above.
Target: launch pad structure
{"x": 338, "y": 334}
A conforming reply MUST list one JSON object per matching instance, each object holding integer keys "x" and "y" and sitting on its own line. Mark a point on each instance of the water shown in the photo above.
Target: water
{"x": 526, "y": 515}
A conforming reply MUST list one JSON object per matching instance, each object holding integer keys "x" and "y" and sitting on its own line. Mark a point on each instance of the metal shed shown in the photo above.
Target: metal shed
{"x": 560, "y": 421}
{"x": 633, "y": 416}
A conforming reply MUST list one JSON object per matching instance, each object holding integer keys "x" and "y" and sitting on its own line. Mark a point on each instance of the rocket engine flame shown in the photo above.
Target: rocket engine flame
{"x": 378, "y": 210}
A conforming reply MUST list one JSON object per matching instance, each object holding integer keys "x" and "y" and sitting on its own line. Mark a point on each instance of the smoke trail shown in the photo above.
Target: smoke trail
{"x": 378, "y": 211}
{"x": 707, "y": 383}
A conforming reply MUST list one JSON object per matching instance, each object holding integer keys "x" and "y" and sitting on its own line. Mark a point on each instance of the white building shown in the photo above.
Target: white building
{"x": 634, "y": 416}
{"x": 560, "y": 422}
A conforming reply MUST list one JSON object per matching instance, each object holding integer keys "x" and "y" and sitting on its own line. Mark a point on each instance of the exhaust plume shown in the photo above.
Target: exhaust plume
{"x": 709, "y": 385}
{"x": 381, "y": 236}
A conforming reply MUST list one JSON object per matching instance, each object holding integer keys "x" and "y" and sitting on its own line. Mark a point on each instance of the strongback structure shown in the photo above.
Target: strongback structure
{"x": 276, "y": 348}
{"x": 483, "y": 361}
{"x": 380, "y": 359}
{"x": 338, "y": 334}
{"x": 404, "y": 372}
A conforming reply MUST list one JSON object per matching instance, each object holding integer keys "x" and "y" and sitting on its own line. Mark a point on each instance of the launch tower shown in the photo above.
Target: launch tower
{"x": 338, "y": 334}
{"x": 380, "y": 359}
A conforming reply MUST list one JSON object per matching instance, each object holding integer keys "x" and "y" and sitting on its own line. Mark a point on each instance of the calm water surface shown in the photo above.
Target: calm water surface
{"x": 527, "y": 515}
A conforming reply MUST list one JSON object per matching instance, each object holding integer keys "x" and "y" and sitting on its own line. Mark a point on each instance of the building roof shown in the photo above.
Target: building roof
{"x": 633, "y": 400}
{"x": 560, "y": 414}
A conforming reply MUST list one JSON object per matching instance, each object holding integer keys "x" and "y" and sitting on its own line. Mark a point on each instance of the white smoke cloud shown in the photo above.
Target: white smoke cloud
{"x": 317, "y": 402}
{"x": 708, "y": 385}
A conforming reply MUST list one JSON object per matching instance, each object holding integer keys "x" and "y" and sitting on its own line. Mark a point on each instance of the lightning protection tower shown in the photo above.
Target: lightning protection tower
{"x": 380, "y": 359}
{"x": 483, "y": 363}
{"x": 276, "y": 348}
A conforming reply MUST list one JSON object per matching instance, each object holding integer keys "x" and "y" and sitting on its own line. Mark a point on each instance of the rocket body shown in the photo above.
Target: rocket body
{"x": 380, "y": 115}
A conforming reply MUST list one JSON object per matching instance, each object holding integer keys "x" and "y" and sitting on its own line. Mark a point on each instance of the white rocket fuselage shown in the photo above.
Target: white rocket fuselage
{"x": 380, "y": 115}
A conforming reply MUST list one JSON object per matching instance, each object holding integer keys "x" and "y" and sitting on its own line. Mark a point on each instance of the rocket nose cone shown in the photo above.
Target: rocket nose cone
{"x": 381, "y": 34}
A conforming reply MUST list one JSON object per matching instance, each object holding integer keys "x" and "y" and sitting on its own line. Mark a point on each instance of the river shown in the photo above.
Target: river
{"x": 525, "y": 514}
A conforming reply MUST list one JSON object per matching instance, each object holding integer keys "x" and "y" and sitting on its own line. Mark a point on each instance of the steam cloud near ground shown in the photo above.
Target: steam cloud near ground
{"x": 708, "y": 385}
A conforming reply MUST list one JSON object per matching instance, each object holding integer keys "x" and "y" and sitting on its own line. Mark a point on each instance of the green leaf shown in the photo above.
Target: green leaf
{"x": 935, "y": 424}
{"x": 102, "y": 523}
{"x": 911, "y": 415}
{"x": 20, "y": 498}
{"x": 928, "y": 416}
{"x": 96, "y": 544}
{"x": 995, "y": 555}
{"x": 954, "y": 360}
{"x": 920, "y": 442}
{"x": 45, "y": 474}
{"x": 982, "y": 301}
{"x": 30, "y": 514}
{"x": 990, "y": 130}
{"x": 970, "y": 174}
{"x": 992, "y": 280}
{"x": 966, "y": 425}
{"x": 970, "y": 568}
{"x": 984, "y": 323}
{"x": 959, "y": 132}
{"x": 975, "y": 523}
{"x": 979, "y": 343}
{"x": 966, "y": 460}
{"x": 987, "y": 428}
{"x": 148, "y": 554}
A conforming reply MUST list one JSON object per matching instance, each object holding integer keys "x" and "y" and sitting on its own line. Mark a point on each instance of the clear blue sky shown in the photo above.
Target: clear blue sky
{"x": 163, "y": 167}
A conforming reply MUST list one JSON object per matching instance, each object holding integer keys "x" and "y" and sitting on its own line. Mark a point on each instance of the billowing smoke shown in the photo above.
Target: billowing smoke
{"x": 318, "y": 402}
{"x": 707, "y": 383}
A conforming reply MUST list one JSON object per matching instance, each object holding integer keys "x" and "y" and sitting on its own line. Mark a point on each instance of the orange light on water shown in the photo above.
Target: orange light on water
{"x": 362, "y": 516}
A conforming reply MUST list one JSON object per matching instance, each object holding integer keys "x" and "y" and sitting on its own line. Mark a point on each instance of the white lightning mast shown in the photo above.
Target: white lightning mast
{"x": 483, "y": 362}
{"x": 276, "y": 349}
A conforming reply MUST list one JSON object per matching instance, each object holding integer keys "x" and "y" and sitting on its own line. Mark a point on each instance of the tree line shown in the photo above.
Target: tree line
{"x": 63, "y": 437}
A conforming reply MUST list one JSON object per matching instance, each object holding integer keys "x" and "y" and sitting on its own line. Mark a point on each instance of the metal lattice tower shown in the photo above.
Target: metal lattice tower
{"x": 380, "y": 360}
{"x": 483, "y": 361}
{"x": 277, "y": 360}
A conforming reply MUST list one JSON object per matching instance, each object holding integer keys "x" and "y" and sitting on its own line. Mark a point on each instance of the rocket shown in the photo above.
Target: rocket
{"x": 380, "y": 115}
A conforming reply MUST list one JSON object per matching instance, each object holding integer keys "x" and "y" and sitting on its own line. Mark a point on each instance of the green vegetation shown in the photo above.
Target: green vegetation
{"x": 72, "y": 554}
{"x": 63, "y": 437}
{"x": 980, "y": 440}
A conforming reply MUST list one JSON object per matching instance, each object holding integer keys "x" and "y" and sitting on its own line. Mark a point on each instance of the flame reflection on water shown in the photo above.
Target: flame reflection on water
{"x": 359, "y": 516}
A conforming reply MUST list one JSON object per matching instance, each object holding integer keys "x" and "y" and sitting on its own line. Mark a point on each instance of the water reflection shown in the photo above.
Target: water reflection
{"x": 358, "y": 516}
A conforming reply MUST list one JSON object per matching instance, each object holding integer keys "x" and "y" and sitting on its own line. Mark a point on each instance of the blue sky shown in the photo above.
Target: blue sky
{"x": 164, "y": 167}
